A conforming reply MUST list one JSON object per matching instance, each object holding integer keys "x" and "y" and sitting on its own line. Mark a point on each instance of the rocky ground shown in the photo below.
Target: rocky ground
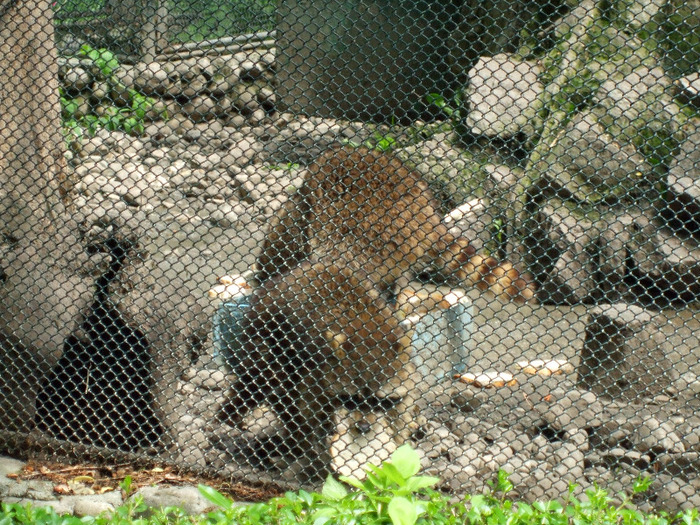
{"x": 85, "y": 490}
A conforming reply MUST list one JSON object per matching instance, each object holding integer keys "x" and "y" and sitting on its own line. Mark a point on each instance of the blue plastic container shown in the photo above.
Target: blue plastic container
{"x": 228, "y": 329}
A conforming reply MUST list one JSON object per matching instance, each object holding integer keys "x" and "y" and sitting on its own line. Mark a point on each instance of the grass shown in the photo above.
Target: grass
{"x": 392, "y": 493}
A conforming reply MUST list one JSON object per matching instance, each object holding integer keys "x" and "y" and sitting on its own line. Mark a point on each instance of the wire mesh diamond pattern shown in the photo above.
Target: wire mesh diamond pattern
{"x": 272, "y": 241}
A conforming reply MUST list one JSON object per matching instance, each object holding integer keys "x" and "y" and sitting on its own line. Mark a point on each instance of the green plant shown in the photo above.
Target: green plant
{"x": 451, "y": 109}
{"x": 104, "y": 59}
{"x": 379, "y": 141}
{"x": 392, "y": 493}
{"x": 78, "y": 122}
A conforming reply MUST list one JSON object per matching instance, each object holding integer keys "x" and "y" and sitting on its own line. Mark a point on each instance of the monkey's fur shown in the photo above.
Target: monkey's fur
{"x": 321, "y": 330}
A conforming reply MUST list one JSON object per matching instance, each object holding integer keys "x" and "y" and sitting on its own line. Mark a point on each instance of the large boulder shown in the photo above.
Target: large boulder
{"x": 501, "y": 94}
{"x": 683, "y": 193}
{"x": 592, "y": 166}
{"x": 622, "y": 255}
{"x": 625, "y": 354}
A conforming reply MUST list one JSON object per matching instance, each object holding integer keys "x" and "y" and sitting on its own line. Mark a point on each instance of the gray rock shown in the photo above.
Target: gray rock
{"x": 10, "y": 466}
{"x": 676, "y": 495}
{"x": 201, "y": 108}
{"x": 591, "y": 165}
{"x": 501, "y": 95}
{"x": 267, "y": 99}
{"x": 92, "y": 507}
{"x": 688, "y": 89}
{"x": 625, "y": 355}
{"x": 167, "y": 496}
{"x": 569, "y": 410}
{"x": 245, "y": 99}
{"x": 622, "y": 256}
{"x": 683, "y": 206}
{"x": 654, "y": 435}
{"x": 152, "y": 78}
{"x": 75, "y": 78}
{"x": 250, "y": 70}
{"x": 635, "y": 14}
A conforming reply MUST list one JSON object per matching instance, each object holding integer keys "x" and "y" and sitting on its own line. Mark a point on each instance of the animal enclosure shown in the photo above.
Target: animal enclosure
{"x": 470, "y": 226}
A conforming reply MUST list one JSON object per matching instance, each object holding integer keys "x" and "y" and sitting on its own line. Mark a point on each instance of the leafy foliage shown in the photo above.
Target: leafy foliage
{"x": 392, "y": 494}
{"x": 79, "y": 121}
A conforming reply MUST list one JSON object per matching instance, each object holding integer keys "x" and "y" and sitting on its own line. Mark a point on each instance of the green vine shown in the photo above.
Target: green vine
{"x": 129, "y": 117}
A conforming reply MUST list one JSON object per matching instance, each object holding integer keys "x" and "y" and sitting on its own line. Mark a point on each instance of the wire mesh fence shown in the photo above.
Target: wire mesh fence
{"x": 467, "y": 226}
{"x": 141, "y": 29}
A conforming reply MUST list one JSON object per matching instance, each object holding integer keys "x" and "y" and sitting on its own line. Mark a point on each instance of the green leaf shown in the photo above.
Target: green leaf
{"x": 417, "y": 483}
{"x": 402, "y": 511}
{"x": 353, "y": 482}
{"x": 374, "y": 479}
{"x": 333, "y": 490}
{"x": 215, "y": 497}
{"x": 503, "y": 484}
{"x": 641, "y": 484}
{"x": 306, "y": 497}
{"x": 548, "y": 506}
{"x": 436, "y": 99}
{"x": 391, "y": 473}
{"x": 406, "y": 460}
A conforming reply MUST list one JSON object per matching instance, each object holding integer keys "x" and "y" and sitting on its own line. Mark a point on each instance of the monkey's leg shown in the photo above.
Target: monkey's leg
{"x": 307, "y": 414}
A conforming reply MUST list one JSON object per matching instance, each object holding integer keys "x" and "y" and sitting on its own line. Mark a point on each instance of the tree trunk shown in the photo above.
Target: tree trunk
{"x": 31, "y": 156}
{"x": 40, "y": 297}
{"x": 81, "y": 313}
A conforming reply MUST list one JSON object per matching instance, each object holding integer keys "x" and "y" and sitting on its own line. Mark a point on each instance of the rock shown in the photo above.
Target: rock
{"x": 682, "y": 203}
{"x": 152, "y": 78}
{"x": 188, "y": 497}
{"x": 245, "y": 99}
{"x": 191, "y": 87}
{"x": 569, "y": 410}
{"x": 361, "y": 439}
{"x": 209, "y": 379}
{"x": 625, "y": 355}
{"x": 225, "y": 75}
{"x": 242, "y": 152}
{"x": 676, "y": 495}
{"x": 9, "y": 466}
{"x": 636, "y": 14}
{"x": 591, "y": 164}
{"x": 686, "y": 466}
{"x": 267, "y": 99}
{"x": 250, "y": 71}
{"x": 75, "y": 79}
{"x": 688, "y": 89}
{"x": 624, "y": 255}
{"x": 654, "y": 436}
{"x": 202, "y": 108}
{"x": 95, "y": 505}
{"x": 501, "y": 95}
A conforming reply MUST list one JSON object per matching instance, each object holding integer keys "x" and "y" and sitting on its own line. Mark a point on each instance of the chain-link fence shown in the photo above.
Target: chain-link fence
{"x": 143, "y": 29}
{"x": 469, "y": 226}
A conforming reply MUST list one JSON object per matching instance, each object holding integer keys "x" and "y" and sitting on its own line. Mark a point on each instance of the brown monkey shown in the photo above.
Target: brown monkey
{"x": 321, "y": 330}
